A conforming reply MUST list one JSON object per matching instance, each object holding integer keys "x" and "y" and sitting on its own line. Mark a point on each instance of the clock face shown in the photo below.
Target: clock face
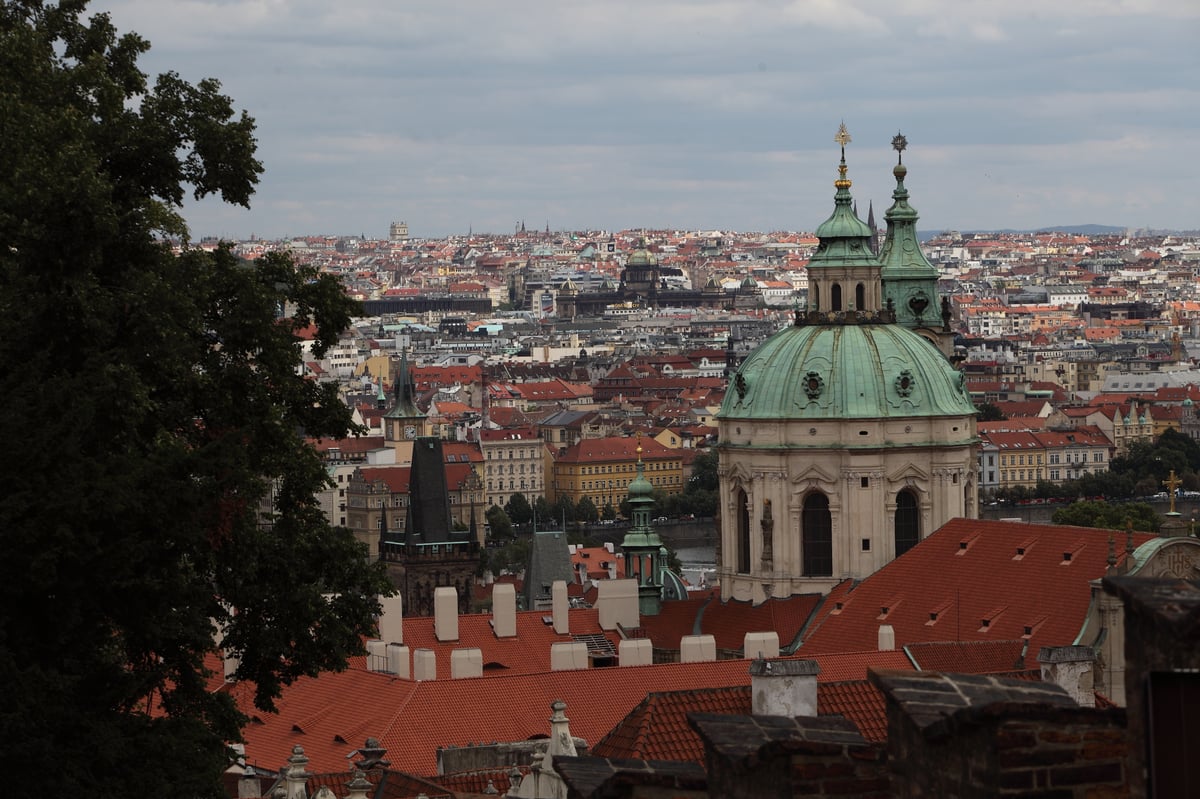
{"x": 410, "y": 431}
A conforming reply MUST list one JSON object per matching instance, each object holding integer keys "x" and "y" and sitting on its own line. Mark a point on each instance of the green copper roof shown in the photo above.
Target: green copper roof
{"x": 641, "y": 257}
{"x": 845, "y": 239}
{"x": 901, "y": 252}
{"x": 841, "y": 371}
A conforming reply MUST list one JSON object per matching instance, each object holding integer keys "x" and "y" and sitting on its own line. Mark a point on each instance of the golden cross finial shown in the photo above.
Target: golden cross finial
{"x": 1172, "y": 483}
{"x": 843, "y": 136}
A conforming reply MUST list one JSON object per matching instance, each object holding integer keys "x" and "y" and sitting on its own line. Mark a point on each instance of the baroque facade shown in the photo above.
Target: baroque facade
{"x": 847, "y": 437}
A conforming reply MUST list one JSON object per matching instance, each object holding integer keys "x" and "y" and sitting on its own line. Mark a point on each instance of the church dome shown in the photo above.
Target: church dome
{"x": 641, "y": 257}
{"x": 841, "y": 371}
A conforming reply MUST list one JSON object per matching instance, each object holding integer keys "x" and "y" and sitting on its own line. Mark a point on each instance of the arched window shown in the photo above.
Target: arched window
{"x": 817, "y": 531}
{"x": 908, "y": 522}
{"x": 816, "y": 297}
{"x": 835, "y": 296}
{"x": 860, "y": 297}
{"x": 743, "y": 533}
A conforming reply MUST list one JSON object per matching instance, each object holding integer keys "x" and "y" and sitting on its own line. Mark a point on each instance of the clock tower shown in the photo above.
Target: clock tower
{"x": 404, "y": 422}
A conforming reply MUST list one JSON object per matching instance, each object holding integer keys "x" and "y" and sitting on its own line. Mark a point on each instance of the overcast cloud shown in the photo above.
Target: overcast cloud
{"x": 693, "y": 114}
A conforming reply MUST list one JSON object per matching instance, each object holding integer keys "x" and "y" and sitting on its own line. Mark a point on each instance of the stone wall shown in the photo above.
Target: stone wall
{"x": 972, "y": 736}
{"x": 777, "y": 757}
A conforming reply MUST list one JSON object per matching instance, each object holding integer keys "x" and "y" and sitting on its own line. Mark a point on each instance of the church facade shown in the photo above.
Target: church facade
{"x": 847, "y": 437}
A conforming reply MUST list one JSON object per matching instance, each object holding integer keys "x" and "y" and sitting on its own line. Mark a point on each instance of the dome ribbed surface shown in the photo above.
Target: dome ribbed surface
{"x": 845, "y": 371}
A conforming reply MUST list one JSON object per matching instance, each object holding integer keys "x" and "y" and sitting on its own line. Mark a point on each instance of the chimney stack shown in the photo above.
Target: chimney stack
{"x": 424, "y": 664}
{"x": 391, "y": 619}
{"x": 504, "y": 610}
{"x": 887, "y": 638}
{"x": 784, "y": 687}
{"x": 559, "y": 607}
{"x": 445, "y": 613}
{"x": 1070, "y": 668}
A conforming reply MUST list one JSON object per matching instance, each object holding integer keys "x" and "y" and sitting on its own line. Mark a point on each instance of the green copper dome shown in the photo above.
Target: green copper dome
{"x": 641, "y": 257}
{"x": 844, "y": 371}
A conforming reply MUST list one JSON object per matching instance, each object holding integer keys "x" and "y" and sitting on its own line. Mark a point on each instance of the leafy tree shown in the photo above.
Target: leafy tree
{"x": 544, "y": 511}
{"x": 518, "y": 509}
{"x": 704, "y": 472}
{"x": 1107, "y": 515}
{"x": 608, "y": 512}
{"x": 564, "y": 509}
{"x": 511, "y": 557}
{"x": 586, "y": 511}
{"x": 499, "y": 524}
{"x": 165, "y": 489}
{"x": 990, "y": 413}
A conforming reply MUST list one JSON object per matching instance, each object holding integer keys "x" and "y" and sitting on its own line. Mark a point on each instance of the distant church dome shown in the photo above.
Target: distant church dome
{"x": 641, "y": 257}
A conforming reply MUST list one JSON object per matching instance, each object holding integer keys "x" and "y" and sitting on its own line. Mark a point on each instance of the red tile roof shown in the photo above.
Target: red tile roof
{"x": 943, "y": 588}
{"x": 970, "y": 657}
{"x": 334, "y": 713}
{"x": 527, "y": 653}
{"x": 657, "y": 729}
{"x": 729, "y": 622}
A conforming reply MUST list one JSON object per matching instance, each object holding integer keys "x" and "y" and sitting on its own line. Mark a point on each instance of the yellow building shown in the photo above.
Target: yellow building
{"x": 602, "y": 468}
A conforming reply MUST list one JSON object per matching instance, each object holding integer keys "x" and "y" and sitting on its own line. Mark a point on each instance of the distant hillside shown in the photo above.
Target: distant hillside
{"x": 1083, "y": 230}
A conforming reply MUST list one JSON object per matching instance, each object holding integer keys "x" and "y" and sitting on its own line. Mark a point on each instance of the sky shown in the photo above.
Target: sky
{"x": 457, "y": 115}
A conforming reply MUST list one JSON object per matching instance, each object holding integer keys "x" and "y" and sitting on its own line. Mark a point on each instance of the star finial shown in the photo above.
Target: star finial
{"x": 843, "y": 136}
{"x": 899, "y": 144}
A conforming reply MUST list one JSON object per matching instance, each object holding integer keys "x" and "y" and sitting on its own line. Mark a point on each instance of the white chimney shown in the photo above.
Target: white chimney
{"x": 399, "y": 661}
{"x": 559, "y": 606}
{"x": 617, "y": 603}
{"x": 424, "y": 664}
{"x": 445, "y": 613}
{"x": 565, "y": 656}
{"x": 887, "y": 638}
{"x": 391, "y": 619}
{"x": 761, "y": 645}
{"x": 466, "y": 663}
{"x": 697, "y": 649}
{"x": 376, "y": 656}
{"x": 635, "y": 652}
{"x": 783, "y": 687}
{"x": 504, "y": 610}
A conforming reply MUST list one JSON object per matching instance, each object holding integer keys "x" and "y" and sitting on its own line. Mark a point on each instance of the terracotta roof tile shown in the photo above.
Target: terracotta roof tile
{"x": 411, "y": 719}
{"x": 969, "y": 657}
{"x": 657, "y": 729}
{"x": 943, "y": 588}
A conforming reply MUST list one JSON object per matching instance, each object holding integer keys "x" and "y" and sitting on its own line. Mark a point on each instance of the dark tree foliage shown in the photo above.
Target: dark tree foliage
{"x": 1112, "y": 516}
{"x": 518, "y": 509}
{"x": 499, "y": 524}
{"x": 158, "y": 486}
{"x": 563, "y": 510}
{"x": 543, "y": 511}
{"x": 704, "y": 472}
{"x": 586, "y": 511}
{"x": 990, "y": 413}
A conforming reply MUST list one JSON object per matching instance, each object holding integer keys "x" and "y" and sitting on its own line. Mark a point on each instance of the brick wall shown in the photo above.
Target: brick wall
{"x": 972, "y": 736}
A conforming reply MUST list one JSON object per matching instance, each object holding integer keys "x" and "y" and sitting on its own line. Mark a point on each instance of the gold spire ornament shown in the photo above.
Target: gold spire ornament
{"x": 899, "y": 144}
{"x": 1172, "y": 484}
{"x": 843, "y": 138}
